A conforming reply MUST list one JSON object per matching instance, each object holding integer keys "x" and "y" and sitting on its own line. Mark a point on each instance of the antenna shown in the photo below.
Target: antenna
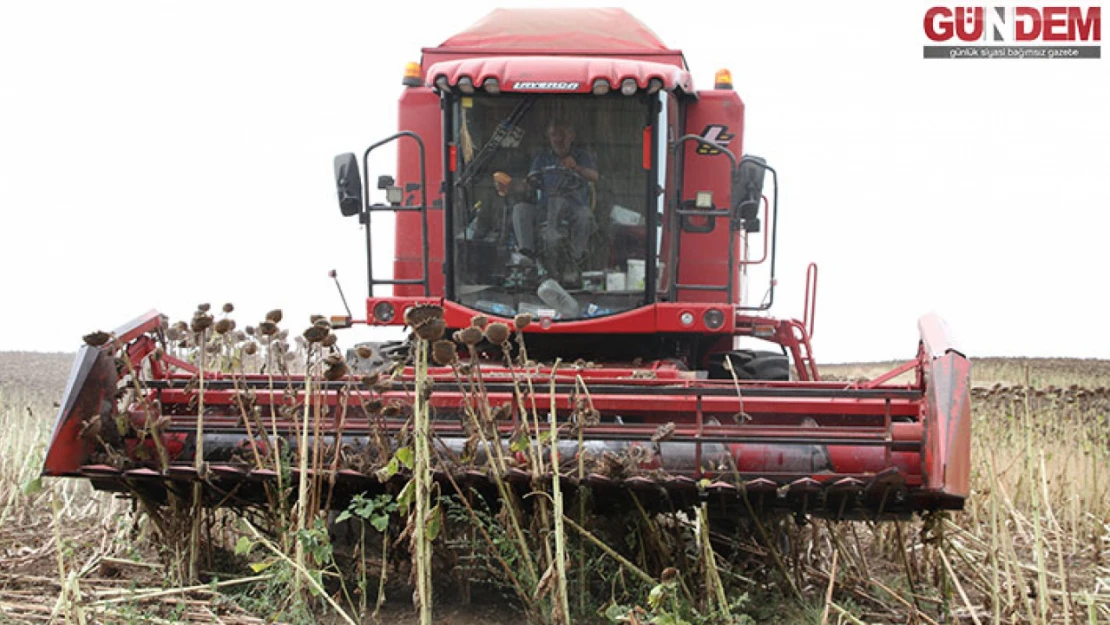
{"x": 335, "y": 276}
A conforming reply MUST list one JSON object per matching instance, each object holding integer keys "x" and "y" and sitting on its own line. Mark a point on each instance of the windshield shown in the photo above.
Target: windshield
{"x": 550, "y": 203}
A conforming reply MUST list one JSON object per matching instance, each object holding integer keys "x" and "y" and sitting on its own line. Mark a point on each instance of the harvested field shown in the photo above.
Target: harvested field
{"x": 1033, "y": 545}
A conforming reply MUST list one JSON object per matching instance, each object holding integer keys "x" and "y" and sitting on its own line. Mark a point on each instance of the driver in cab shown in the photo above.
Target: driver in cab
{"x": 560, "y": 174}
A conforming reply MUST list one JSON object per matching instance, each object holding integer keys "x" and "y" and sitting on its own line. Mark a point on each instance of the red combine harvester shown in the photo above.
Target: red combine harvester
{"x": 558, "y": 167}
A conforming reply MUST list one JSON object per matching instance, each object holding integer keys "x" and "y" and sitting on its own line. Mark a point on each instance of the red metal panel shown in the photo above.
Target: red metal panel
{"x": 89, "y": 394}
{"x": 947, "y": 452}
{"x": 662, "y": 317}
{"x": 142, "y": 324}
{"x": 703, "y": 258}
{"x": 595, "y": 31}
{"x": 680, "y": 408}
{"x": 419, "y": 113}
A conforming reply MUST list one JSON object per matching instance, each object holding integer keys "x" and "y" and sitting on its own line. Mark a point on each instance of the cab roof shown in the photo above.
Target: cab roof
{"x": 576, "y": 32}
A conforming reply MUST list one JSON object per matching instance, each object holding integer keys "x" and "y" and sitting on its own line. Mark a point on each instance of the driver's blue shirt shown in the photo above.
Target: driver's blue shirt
{"x": 548, "y": 165}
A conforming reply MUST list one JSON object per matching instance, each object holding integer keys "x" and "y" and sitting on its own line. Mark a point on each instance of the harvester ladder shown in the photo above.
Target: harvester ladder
{"x": 726, "y": 214}
{"x": 424, "y": 280}
{"x": 805, "y": 355}
{"x": 731, "y": 217}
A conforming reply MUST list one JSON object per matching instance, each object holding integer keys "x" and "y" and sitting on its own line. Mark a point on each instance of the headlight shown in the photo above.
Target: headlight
{"x": 384, "y": 312}
{"x": 714, "y": 319}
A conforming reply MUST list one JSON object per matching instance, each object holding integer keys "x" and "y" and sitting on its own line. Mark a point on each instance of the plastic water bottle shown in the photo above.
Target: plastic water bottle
{"x": 556, "y": 297}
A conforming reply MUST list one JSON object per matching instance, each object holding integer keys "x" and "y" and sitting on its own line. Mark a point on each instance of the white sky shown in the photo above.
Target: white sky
{"x": 157, "y": 155}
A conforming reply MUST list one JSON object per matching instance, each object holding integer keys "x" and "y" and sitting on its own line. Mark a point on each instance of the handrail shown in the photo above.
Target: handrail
{"x": 810, "y": 310}
{"x": 766, "y": 234}
{"x": 367, "y": 208}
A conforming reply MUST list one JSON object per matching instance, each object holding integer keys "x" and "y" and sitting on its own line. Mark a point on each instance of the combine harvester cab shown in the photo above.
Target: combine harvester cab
{"x": 575, "y": 188}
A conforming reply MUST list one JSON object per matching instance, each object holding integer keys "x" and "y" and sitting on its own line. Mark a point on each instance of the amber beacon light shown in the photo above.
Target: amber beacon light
{"x": 412, "y": 75}
{"x": 723, "y": 80}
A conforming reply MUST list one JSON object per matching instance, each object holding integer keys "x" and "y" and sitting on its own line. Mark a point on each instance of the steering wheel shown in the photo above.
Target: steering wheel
{"x": 566, "y": 180}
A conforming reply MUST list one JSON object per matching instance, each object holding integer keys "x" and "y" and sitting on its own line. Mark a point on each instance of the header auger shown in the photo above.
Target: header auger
{"x": 576, "y": 236}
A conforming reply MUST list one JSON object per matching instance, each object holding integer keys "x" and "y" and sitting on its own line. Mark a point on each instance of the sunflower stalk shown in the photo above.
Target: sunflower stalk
{"x": 557, "y": 495}
{"x": 302, "y": 482}
{"x": 198, "y": 486}
{"x": 422, "y": 476}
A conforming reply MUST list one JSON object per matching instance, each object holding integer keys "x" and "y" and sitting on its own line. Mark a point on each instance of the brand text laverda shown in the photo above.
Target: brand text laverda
{"x": 545, "y": 86}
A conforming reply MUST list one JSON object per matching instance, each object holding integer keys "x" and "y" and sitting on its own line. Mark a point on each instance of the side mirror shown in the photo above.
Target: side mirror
{"x": 348, "y": 184}
{"x": 747, "y": 187}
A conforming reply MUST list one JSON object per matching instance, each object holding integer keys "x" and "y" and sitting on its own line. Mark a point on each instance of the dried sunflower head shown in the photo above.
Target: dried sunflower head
{"x": 444, "y": 353}
{"x": 497, "y": 333}
{"x": 204, "y": 307}
{"x": 479, "y": 321}
{"x": 201, "y": 322}
{"x": 638, "y": 455}
{"x": 522, "y": 320}
{"x": 469, "y": 336}
{"x": 431, "y": 329}
{"x": 315, "y": 334}
{"x": 223, "y": 326}
{"x": 591, "y": 416}
{"x": 329, "y": 340}
{"x": 414, "y": 315}
{"x": 663, "y": 432}
{"x": 228, "y": 307}
{"x": 336, "y": 371}
{"x": 96, "y": 339}
{"x": 268, "y": 328}
{"x": 274, "y": 316}
{"x": 364, "y": 352}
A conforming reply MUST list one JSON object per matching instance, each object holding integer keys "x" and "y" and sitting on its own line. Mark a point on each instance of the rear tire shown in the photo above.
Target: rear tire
{"x": 750, "y": 364}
